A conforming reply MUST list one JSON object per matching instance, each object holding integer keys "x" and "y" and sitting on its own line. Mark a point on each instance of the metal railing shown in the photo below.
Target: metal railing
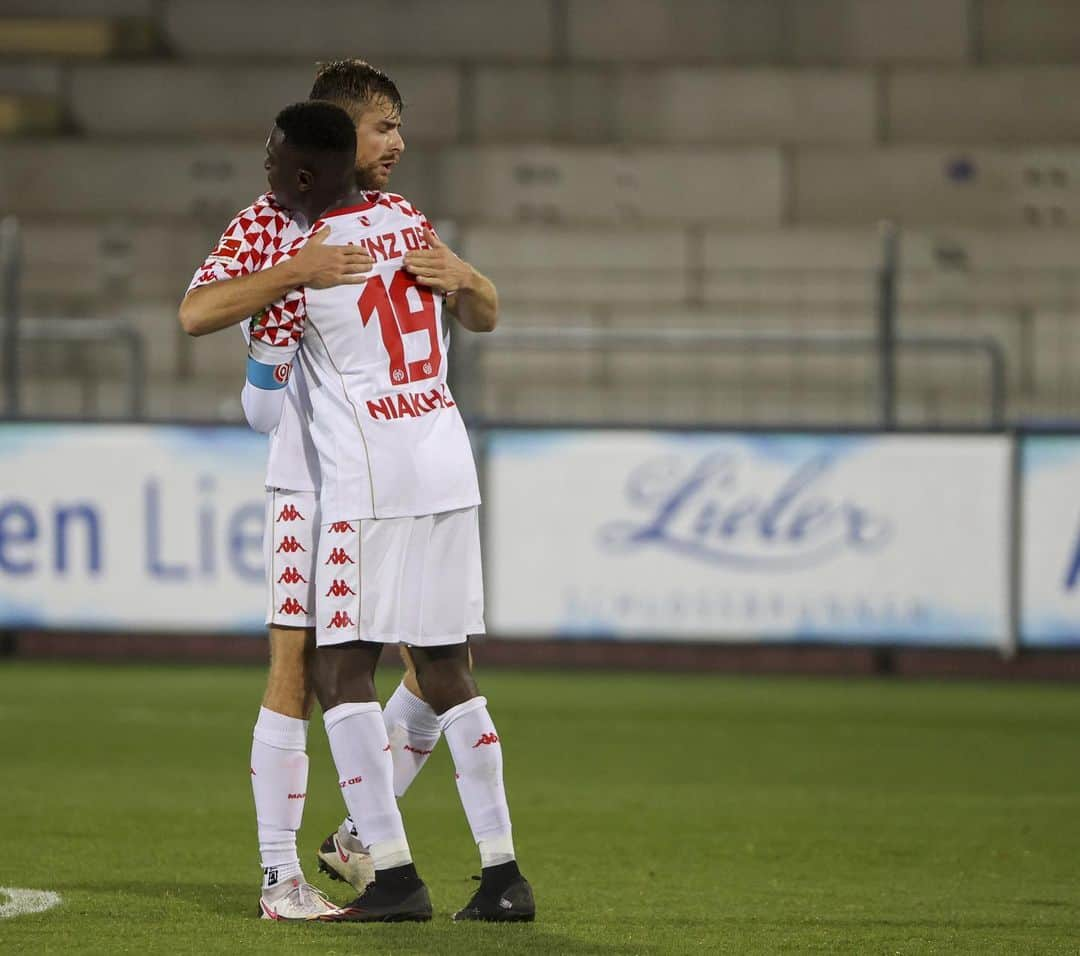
{"x": 106, "y": 332}
{"x": 583, "y": 338}
{"x": 9, "y": 302}
{"x": 16, "y": 331}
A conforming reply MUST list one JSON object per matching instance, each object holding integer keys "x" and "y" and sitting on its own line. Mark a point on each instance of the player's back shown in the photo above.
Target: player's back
{"x": 390, "y": 439}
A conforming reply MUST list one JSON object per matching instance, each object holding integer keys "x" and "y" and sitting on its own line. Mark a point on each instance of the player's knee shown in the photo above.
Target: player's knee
{"x": 344, "y": 675}
{"x": 443, "y": 676}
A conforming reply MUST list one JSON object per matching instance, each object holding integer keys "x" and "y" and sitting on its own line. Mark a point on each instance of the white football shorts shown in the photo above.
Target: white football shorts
{"x": 400, "y": 580}
{"x": 289, "y": 550}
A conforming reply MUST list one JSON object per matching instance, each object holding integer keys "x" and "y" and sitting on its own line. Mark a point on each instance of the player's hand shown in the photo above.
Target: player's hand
{"x": 438, "y": 267}
{"x": 321, "y": 266}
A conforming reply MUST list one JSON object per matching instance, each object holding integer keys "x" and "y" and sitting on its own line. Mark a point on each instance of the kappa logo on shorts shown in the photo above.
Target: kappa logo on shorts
{"x": 485, "y": 740}
{"x": 292, "y": 606}
{"x": 340, "y": 620}
{"x": 291, "y": 576}
{"x": 339, "y": 589}
{"x": 338, "y": 556}
{"x": 289, "y": 513}
{"x": 340, "y": 527}
{"x": 290, "y": 545}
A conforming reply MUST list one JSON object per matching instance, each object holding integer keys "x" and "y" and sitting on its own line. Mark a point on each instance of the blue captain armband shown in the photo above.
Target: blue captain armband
{"x": 268, "y": 377}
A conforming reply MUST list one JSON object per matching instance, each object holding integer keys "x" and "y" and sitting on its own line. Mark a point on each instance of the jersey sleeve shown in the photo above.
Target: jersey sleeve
{"x": 246, "y": 245}
{"x": 273, "y": 341}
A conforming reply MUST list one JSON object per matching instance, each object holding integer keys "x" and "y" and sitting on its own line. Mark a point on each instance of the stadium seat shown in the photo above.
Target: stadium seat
{"x": 935, "y": 185}
{"x": 588, "y": 185}
{"x": 583, "y": 266}
{"x": 1007, "y": 105}
{"x": 92, "y": 37}
{"x": 21, "y": 113}
{"x": 422, "y": 29}
{"x": 204, "y": 182}
{"x": 769, "y": 31}
{"x": 1035, "y": 31}
{"x": 606, "y": 104}
{"x": 217, "y": 100}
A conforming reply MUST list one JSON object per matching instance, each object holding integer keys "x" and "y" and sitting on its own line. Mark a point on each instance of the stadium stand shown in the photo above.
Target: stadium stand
{"x": 705, "y": 165}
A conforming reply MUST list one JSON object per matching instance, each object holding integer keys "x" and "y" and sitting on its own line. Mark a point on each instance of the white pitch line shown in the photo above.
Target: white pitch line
{"x": 20, "y": 902}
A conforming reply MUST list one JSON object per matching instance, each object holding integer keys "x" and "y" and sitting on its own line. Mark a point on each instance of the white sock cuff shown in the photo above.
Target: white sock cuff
{"x": 335, "y": 715}
{"x": 447, "y": 718}
{"x": 277, "y": 730}
{"x": 417, "y": 712}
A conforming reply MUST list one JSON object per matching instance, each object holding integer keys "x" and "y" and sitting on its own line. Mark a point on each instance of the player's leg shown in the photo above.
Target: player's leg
{"x": 345, "y": 684}
{"x": 446, "y": 681}
{"x": 279, "y": 762}
{"x": 279, "y": 774}
{"x": 413, "y": 727}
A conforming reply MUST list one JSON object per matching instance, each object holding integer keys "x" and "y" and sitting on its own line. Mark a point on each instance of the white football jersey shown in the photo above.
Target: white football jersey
{"x": 251, "y": 242}
{"x": 390, "y": 439}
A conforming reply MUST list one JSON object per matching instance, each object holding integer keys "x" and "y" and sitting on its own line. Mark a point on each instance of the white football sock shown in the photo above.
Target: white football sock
{"x": 279, "y": 774}
{"x": 361, "y": 752}
{"x": 348, "y": 835}
{"x": 477, "y": 754}
{"x": 413, "y": 728}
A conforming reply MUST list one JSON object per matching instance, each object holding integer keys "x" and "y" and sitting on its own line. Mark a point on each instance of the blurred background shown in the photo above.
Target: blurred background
{"x": 787, "y": 379}
{"x": 821, "y": 254}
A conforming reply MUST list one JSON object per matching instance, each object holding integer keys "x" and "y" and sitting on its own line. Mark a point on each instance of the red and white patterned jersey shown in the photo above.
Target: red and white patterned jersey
{"x": 253, "y": 241}
{"x": 390, "y": 439}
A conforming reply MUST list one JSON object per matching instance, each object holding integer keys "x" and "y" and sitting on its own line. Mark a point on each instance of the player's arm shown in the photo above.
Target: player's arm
{"x": 227, "y": 301}
{"x": 470, "y": 296}
{"x": 272, "y": 346}
{"x": 263, "y": 395}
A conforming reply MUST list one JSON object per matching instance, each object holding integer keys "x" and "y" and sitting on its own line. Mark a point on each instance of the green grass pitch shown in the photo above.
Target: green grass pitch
{"x": 653, "y": 814}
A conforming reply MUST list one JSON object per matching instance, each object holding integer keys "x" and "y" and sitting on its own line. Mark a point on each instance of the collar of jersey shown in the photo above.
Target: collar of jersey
{"x": 346, "y": 210}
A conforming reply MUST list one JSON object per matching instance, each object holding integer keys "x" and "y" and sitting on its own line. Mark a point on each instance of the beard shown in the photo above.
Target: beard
{"x": 372, "y": 176}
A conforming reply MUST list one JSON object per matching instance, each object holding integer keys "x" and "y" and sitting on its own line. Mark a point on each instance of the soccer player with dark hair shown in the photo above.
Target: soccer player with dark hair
{"x": 239, "y": 279}
{"x": 398, "y": 500}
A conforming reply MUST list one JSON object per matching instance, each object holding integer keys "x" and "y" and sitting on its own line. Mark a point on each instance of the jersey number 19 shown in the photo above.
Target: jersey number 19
{"x": 397, "y": 316}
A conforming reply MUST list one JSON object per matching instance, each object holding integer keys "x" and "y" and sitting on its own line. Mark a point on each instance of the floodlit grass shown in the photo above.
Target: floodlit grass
{"x": 653, "y": 814}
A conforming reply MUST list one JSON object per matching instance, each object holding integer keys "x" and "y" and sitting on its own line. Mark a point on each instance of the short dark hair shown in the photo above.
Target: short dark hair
{"x": 315, "y": 125}
{"x": 348, "y": 82}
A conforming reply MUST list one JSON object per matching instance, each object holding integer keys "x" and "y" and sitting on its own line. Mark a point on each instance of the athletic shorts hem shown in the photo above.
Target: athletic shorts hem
{"x": 409, "y": 640}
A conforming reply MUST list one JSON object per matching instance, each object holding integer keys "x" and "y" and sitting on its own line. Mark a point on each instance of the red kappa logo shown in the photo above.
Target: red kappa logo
{"x": 341, "y": 619}
{"x": 338, "y": 556}
{"x": 340, "y": 527}
{"x": 291, "y": 576}
{"x": 289, "y": 513}
{"x": 290, "y": 545}
{"x": 485, "y": 740}
{"x": 292, "y": 606}
{"x": 339, "y": 589}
